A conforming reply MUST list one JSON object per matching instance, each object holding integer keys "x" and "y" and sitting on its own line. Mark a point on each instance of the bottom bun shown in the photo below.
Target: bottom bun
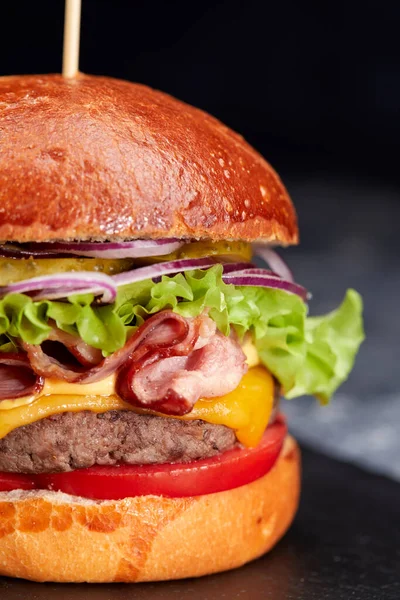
{"x": 50, "y": 536}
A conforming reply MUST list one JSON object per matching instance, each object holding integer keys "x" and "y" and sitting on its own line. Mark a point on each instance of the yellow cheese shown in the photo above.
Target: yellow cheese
{"x": 45, "y": 406}
{"x": 105, "y": 387}
{"x": 246, "y": 410}
{"x": 250, "y": 351}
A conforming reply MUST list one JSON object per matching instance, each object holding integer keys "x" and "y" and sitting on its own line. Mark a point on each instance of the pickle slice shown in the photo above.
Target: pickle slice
{"x": 230, "y": 251}
{"x": 18, "y": 269}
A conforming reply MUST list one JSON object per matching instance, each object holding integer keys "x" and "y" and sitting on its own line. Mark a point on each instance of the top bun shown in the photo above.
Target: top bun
{"x": 103, "y": 159}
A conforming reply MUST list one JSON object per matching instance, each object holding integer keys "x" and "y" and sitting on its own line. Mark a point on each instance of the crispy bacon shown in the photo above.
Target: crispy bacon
{"x": 163, "y": 330}
{"x": 171, "y": 384}
{"x": 167, "y": 365}
{"x": 17, "y": 378}
{"x": 86, "y": 355}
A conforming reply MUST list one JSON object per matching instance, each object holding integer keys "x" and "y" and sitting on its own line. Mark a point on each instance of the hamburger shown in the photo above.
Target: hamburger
{"x": 143, "y": 352}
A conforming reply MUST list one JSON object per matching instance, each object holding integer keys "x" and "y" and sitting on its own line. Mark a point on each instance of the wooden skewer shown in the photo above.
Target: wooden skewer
{"x": 72, "y": 26}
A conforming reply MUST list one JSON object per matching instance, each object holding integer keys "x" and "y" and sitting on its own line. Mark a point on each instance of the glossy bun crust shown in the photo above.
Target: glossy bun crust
{"x": 99, "y": 158}
{"x": 49, "y": 536}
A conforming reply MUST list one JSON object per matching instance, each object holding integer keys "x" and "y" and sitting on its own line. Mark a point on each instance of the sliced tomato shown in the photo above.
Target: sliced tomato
{"x": 225, "y": 471}
{"x": 16, "y": 481}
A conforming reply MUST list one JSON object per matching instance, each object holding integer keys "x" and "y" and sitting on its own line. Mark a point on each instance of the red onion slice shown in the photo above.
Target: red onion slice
{"x": 250, "y": 276}
{"x": 27, "y": 251}
{"x": 268, "y": 281}
{"x": 168, "y": 268}
{"x": 275, "y": 262}
{"x": 115, "y": 250}
{"x": 66, "y": 284}
{"x": 250, "y": 271}
{"x": 231, "y": 267}
{"x": 61, "y": 285}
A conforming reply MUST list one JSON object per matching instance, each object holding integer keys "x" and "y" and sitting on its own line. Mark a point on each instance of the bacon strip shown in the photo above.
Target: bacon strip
{"x": 167, "y": 365}
{"x": 86, "y": 355}
{"x": 17, "y": 378}
{"x": 172, "y": 384}
{"x": 163, "y": 330}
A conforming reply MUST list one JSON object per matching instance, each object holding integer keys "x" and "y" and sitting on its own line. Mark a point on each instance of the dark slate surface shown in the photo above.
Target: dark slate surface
{"x": 344, "y": 545}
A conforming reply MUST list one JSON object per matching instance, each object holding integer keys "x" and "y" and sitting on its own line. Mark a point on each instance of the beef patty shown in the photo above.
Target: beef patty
{"x": 77, "y": 440}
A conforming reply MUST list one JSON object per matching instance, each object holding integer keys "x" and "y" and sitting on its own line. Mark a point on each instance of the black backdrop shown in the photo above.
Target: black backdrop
{"x": 307, "y": 82}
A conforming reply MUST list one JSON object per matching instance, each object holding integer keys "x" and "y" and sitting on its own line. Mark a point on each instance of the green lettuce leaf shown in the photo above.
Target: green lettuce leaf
{"x": 7, "y": 344}
{"x": 314, "y": 355}
{"x": 308, "y": 355}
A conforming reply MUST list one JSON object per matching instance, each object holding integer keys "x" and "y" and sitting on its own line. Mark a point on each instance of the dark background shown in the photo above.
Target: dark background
{"x": 315, "y": 86}
{"x": 310, "y": 83}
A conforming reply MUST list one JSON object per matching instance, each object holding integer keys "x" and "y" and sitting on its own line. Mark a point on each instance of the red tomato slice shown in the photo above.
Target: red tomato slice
{"x": 16, "y": 481}
{"x": 223, "y": 472}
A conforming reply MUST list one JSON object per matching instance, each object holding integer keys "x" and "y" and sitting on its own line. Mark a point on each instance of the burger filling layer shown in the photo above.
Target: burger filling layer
{"x": 118, "y": 363}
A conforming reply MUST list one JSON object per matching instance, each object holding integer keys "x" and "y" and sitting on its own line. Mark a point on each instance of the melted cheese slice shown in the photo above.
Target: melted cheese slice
{"x": 250, "y": 352}
{"x": 246, "y": 410}
{"x": 105, "y": 387}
